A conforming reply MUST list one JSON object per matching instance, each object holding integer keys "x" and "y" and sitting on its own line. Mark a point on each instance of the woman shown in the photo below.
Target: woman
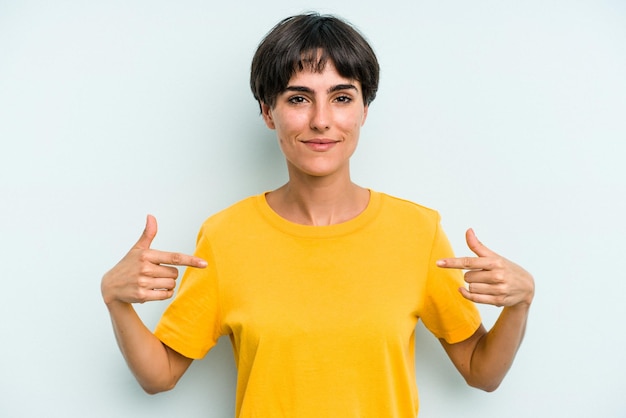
{"x": 319, "y": 284}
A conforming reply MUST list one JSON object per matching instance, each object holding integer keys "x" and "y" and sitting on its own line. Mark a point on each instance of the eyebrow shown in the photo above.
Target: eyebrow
{"x": 333, "y": 89}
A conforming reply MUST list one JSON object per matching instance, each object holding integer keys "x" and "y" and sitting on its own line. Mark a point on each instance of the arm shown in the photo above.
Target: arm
{"x": 140, "y": 277}
{"x": 485, "y": 357}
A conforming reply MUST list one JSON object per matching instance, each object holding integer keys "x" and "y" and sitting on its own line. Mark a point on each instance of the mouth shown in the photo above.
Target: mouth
{"x": 321, "y": 141}
{"x": 320, "y": 144}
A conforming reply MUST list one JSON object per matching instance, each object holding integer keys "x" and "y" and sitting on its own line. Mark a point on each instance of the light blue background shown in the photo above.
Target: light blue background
{"x": 506, "y": 116}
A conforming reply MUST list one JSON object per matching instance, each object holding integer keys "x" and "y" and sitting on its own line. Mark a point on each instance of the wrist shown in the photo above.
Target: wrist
{"x": 109, "y": 298}
{"x": 523, "y": 306}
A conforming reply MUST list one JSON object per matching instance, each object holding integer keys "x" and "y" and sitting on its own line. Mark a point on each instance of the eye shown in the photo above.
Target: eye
{"x": 343, "y": 99}
{"x": 296, "y": 99}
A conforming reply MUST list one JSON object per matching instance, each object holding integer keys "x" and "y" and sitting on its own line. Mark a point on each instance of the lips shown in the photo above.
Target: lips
{"x": 320, "y": 141}
{"x": 320, "y": 145}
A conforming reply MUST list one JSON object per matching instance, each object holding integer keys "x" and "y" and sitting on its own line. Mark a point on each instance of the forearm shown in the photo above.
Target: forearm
{"x": 145, "y": 275}
{"x": 496, "y": 349}
{"x": 145, "y": 355}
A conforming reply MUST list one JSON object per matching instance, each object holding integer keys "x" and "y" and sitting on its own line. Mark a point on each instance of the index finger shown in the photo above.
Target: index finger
{"x": 175, "y": 259}
{"x": 465, "y": 263}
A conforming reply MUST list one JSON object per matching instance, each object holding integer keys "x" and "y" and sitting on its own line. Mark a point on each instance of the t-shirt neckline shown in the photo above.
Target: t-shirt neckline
{"x": 326, "y": 231}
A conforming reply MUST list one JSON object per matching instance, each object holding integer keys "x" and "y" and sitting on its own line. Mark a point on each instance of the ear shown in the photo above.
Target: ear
{"x": 266, "y": 111}
{"x": 364, "y": 114}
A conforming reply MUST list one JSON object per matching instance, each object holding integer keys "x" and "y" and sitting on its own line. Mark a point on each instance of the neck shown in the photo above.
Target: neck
{"x": 318, "y": 201}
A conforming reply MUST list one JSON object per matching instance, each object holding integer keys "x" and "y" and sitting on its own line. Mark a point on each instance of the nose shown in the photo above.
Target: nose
{"x": 321, "y": 117}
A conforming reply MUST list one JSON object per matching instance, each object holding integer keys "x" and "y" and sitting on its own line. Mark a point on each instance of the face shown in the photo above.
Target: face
{"x": 317, "y": 120}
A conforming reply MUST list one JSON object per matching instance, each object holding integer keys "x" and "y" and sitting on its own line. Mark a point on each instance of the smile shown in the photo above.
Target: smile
{"x": 320, "y": 144}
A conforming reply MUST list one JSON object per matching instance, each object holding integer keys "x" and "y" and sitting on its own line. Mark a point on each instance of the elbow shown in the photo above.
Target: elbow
{"x": 150, "y": 390}
{"x": 153, "y": 388}
{"x": 486, "y": 379}
{"x": 489, "y": 388}
{"x": 485, "y": 384}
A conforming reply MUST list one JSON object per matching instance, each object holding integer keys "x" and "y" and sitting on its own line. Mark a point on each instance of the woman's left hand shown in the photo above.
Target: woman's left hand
{"x": 491, "y": 278}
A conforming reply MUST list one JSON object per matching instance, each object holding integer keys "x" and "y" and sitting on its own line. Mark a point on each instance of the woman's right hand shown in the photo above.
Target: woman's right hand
{"x": 145, "y": 274}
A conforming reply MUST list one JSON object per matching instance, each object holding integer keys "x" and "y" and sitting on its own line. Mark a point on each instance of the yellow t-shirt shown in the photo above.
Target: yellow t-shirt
{"x": 321, "y": 318}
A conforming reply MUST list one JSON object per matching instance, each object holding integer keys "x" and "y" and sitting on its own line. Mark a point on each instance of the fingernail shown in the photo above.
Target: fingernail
{"x": 441, "y": 263}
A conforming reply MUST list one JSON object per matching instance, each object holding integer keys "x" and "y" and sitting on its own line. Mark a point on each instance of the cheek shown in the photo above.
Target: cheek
{"x": 353, "y": 126}
{"x": 290, "y": 127}
{"x": 352, "y": 122}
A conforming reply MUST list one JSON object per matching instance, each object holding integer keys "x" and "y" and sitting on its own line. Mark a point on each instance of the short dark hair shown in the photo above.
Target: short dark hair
{"x": 308, "y": 41}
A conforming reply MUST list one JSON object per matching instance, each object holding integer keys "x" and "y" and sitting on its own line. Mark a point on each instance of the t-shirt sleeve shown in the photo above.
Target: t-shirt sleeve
{"x": 190, "y": 324}
{"x": 446, "y": 313}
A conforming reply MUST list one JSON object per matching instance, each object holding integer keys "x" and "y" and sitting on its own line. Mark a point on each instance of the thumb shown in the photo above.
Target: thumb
{"x": 145, "y": 241}
{"x": 475, "y": 245}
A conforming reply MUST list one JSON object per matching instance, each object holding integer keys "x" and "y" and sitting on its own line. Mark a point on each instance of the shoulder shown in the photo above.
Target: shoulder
{"x": 406, "y": 209}
{"x": 231, "y": 217}
{"x": 409, "y": 224}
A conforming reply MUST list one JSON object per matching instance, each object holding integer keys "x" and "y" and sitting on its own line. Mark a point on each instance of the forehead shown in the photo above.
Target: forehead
{"x": 326, "y": 77}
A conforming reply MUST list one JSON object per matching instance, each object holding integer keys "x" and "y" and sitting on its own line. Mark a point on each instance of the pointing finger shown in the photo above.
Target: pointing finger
{"x": 176, "y": 259}
{"x": 465, "y": 263}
